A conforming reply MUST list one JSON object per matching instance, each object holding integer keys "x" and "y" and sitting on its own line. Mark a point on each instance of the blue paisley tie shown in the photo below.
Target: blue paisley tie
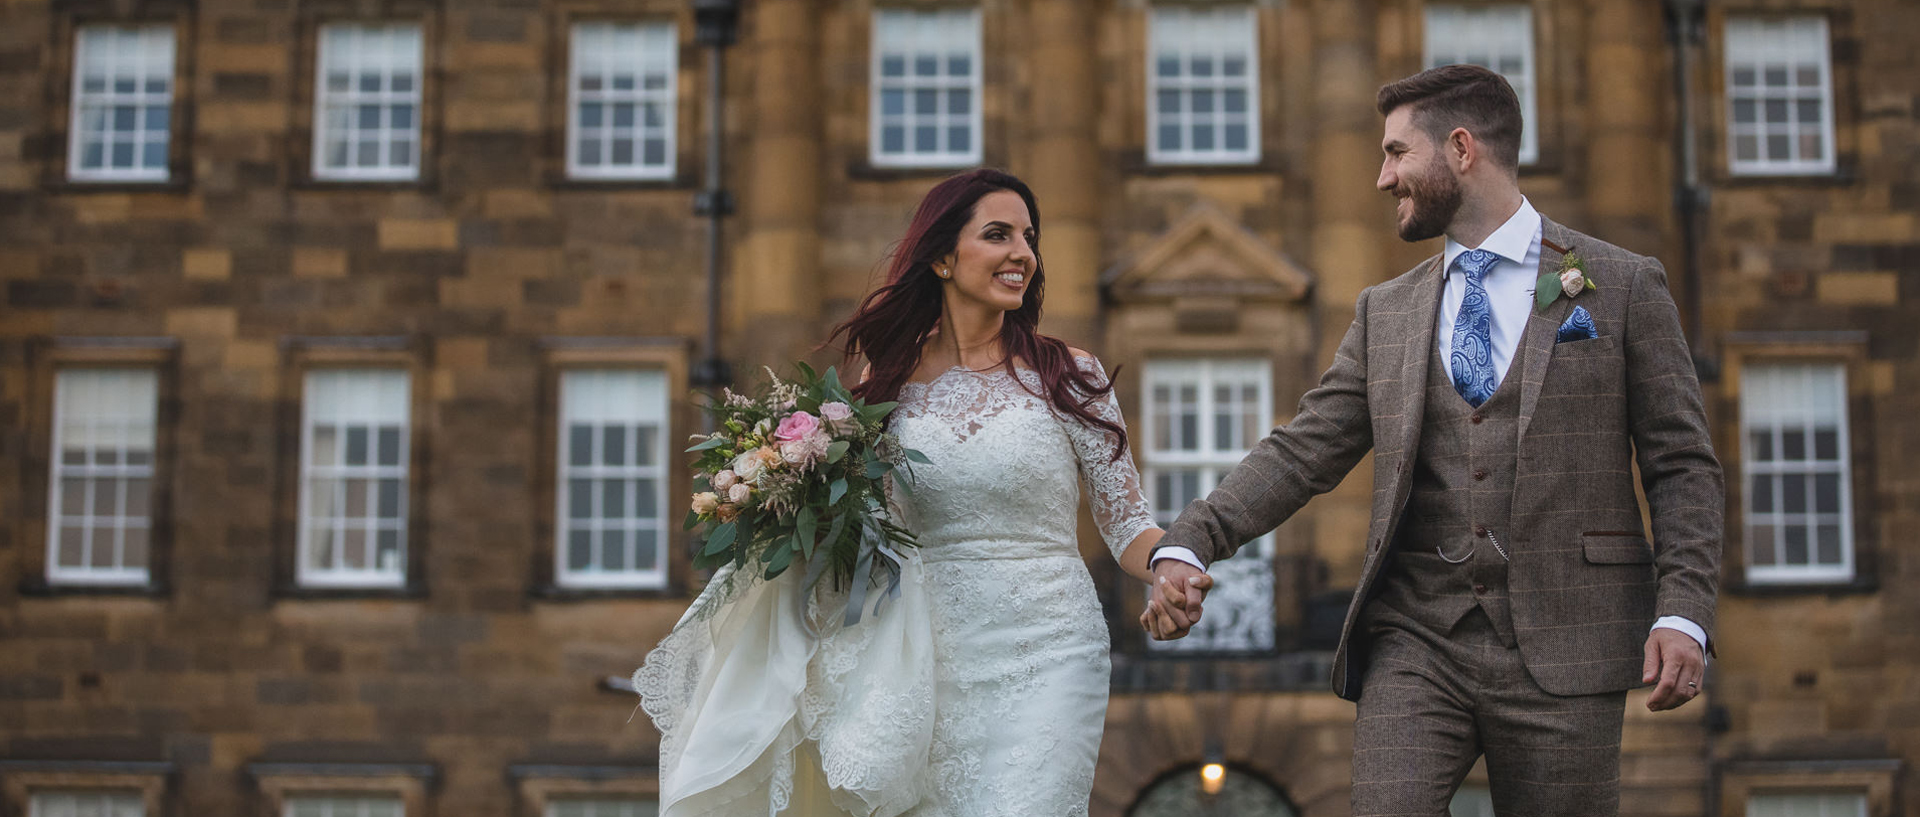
{"x": 1472, "y": 358}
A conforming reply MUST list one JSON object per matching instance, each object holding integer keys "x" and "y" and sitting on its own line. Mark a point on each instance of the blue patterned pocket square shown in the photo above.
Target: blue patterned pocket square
{"x": 1579, "y": 326}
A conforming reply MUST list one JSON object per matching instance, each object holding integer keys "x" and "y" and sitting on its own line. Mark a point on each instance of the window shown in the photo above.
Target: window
{"x": 1821, "y": 804}
{"x": 353, "y": 487}
{"x": 603, "y": 808}
{"x": 613, "y": 480}
{"x": 1203, "y": 86}
{"x": 100, "y": 508}
{"x": 926, "y": 88}
{"x": 1202, "y": 418}
{"x": 1497, "y": 37}
{"x": 344, "y": 806}
{"x": 88, "y": 804}
{"x": 1799, "y": 503}
{"x": 367, "y": 104}
{"x": 621, "y": 113}
{"x": 122, "y": 103}
{"x": 1779, "y": 95}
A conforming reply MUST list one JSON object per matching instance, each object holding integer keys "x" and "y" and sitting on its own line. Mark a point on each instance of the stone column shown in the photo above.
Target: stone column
{"x": 776, "y": 287}
{"x": 1349, "y": 228}
{"x": 1629, "y": 148}
{"x": 1065, "y": 173}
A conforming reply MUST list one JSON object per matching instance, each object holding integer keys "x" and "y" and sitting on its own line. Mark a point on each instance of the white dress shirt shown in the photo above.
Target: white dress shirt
{"x": 1509, "y": 286}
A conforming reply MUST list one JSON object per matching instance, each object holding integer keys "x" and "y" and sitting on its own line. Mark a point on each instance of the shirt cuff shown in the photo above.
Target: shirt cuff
{"x": 1176, "y": 553}
{"x": 1680, "y": 623}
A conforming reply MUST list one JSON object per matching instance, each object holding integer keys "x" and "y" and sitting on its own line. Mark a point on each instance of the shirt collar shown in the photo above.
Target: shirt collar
{"x": 1511, "y": 241}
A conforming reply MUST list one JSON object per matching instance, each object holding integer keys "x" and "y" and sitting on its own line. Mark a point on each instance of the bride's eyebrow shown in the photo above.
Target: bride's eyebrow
{"x": 992, "y": 224}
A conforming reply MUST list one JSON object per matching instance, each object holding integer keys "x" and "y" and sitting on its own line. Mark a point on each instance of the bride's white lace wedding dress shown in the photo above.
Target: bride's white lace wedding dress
{"x": 981, "y": 691}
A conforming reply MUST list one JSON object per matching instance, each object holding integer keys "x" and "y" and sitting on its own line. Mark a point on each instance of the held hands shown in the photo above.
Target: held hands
{"x": 1174, "y": 606}
{"x": 1675, "y": 661}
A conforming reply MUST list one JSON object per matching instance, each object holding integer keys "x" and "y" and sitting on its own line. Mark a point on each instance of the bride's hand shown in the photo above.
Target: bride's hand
{"x": 1174, "y": 605}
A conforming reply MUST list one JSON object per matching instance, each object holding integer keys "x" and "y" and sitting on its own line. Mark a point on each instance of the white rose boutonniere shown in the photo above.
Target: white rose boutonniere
{"x": 1570, "y": 280}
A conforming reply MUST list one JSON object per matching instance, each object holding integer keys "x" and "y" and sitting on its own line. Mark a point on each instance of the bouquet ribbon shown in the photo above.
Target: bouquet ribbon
{"x": 872, "y": 544}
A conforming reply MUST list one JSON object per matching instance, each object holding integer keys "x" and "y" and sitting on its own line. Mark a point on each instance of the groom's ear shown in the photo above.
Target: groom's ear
{"x": 1462, "y": 150}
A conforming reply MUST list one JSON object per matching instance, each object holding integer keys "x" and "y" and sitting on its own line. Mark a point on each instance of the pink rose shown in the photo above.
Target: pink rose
{"x": 725, "y": 479}
{"x": 796, "y": 426}
{"x": 839, "y": 416}
{"x": 1571, "y": 282}
{"x": 705, "y": 503}
{"x": 739, "y": 493}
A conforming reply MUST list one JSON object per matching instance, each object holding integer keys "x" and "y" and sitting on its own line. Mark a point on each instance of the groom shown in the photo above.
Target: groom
{"x": 1509, "y": 596}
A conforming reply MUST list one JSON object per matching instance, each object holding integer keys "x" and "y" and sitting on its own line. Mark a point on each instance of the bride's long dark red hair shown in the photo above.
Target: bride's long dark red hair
{"x": 895, "y": 320}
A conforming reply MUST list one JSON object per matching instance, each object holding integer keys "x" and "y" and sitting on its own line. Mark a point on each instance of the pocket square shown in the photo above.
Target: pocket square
{"x": 1579, "y": 326}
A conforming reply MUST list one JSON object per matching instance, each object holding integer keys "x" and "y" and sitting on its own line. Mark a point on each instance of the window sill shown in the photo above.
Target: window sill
{"x": 64, "y": 186}
{"x": 410, "y": 592}
{"x": 559, "y": 593}
{"x": 1857, "y": 586}
{"x": 38, "y": 587}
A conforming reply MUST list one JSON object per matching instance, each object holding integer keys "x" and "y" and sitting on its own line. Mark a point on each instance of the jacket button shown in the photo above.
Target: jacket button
{"x": 1480, "y": 588}
{"x": 1476, "y": 419}
{"x": 1479, "y": 474}
{"x": 1479, "y": 531}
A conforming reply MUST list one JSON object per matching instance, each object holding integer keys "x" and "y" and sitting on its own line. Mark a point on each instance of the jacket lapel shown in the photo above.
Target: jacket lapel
{"x": 1423, "y": 316}
{"x": 1543, "y": 327}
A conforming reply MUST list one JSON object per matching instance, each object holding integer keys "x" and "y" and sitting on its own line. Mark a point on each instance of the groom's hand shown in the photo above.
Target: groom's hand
{"x": 1174, "y": 607}
{"x": 1675, "y": 662}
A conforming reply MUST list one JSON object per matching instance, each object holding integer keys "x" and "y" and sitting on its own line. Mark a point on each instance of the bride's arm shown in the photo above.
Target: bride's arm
{"x": 1135, "y": 559}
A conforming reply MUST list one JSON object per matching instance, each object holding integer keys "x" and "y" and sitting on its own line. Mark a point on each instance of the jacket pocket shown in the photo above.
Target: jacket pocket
{"x": 1605, "y": 547}
{"x": 1588, "y": 346}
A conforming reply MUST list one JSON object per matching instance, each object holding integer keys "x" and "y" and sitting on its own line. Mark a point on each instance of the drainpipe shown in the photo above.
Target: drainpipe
{"x": 1686, "y": 30}
{"x": 716, "y": 26}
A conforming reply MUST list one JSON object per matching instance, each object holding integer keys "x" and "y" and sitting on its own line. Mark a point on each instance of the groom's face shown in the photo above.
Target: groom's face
{"x": 1416, "y": 173}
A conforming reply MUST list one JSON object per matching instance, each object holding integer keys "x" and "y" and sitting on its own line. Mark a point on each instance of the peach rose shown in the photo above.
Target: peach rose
{"x": 706, "y": 503}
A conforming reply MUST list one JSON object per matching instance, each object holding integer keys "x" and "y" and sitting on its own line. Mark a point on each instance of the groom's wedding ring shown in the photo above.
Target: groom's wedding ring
{"x": 1694, "y": 684}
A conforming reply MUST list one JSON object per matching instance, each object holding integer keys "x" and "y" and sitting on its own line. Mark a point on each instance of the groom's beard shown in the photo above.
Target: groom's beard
{"x": 1434, "y": 198}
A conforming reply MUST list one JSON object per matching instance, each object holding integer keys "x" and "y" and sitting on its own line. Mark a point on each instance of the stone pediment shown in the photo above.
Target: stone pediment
{"x": 1207, "y": 255}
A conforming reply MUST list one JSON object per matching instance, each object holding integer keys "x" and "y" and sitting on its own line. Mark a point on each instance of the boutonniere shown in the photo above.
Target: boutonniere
{"x": 1570, "y": 279}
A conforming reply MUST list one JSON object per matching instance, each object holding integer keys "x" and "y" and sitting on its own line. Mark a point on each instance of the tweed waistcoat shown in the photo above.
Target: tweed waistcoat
{"x": 1460, "y": 503}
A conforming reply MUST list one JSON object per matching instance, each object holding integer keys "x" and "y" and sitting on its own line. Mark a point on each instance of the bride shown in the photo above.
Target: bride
{"x": 981, "y": 690}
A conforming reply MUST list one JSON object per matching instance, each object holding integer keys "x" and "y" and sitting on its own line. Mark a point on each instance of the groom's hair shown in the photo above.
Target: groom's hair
{"x": 1461, "y": 96}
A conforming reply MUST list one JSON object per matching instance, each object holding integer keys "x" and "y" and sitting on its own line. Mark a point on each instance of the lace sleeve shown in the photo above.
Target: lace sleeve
{"x": 1113, "y": 485}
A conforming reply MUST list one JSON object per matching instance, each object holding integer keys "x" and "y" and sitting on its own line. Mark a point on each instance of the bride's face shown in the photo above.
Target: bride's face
{"x": 994, "y": 260}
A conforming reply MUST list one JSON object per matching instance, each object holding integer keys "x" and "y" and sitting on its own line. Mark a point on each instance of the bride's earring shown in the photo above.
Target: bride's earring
{"x": 942, "y": 272}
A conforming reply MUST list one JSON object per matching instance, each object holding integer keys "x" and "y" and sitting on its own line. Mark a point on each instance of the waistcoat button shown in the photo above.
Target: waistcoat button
{"x": 1479, "y": 588}
{"x": 1476, "y": 419}
{"x": 1479, "y": 531}
{"x": 1479, "y": 474}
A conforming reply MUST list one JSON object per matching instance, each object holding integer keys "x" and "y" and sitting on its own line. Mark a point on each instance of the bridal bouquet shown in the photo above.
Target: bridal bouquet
{"x": 794, "y": 475}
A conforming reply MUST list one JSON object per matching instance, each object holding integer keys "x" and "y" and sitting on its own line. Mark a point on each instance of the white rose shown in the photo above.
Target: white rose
{"x": 747, "y": 466}
{"x": 705, "y": 503}
{"x": 724, "y": 480}
{"x": 739, "y": 493}
{"x": 1571, "y": 282}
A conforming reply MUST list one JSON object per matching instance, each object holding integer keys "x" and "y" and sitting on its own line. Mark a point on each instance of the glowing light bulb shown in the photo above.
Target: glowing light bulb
{"x": 1212, "y": 777}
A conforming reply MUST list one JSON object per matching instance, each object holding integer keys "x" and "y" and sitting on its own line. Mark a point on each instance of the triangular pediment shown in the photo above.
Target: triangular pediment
{"x": 1207, "y": 254}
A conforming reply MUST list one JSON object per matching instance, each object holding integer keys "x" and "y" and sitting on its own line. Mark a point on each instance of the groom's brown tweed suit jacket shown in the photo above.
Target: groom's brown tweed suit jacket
{"x": 1585, "y": 582}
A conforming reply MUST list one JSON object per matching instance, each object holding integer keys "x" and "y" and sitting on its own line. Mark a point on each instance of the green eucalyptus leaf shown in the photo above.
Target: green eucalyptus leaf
{"x": 712, "y": 442}
{"x": 693, "y": 520}
{"x": 918, "y": 457}
{"x": 837, "y": 490}
{"x": 1545, "y": 289}
{"x": 720, "y": 538}
{"x": 780, "y": 562}
{"x": 836, "y": 450}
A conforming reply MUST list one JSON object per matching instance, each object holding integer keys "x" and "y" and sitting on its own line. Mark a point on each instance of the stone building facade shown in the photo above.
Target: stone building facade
{"x": 345, "y": 342}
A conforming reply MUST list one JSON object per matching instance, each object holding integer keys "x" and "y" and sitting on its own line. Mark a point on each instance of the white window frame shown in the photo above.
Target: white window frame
{"x": 1484, "y": 35}
{"x": 360, "y": 804}
{"x": 346, "y": 398}
{"x": 89, "y": 402}
{"x": 1776, "y": 398}
{"x": 1218, "y": 33}
{"x": 65, "y": 802}
{"x": 643, "y": 53}
{"x": 1806, "y": 804}
{"x": 912, "y": 35}
{"x": 603, "y": 806}
{"x": 1793, "y": 45}
{"x": 386, "y": 50}
{"x": 1212, "y": 461}
{"x": 599, "y": 398}
{"x": 106, "y": 55}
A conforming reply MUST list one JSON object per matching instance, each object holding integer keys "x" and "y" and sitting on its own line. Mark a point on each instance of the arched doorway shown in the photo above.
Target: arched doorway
{"x": 1243, "y": 793}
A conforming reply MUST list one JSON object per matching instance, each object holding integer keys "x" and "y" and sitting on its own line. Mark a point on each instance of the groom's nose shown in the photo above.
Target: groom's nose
{"x": 1388, "y": 179}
